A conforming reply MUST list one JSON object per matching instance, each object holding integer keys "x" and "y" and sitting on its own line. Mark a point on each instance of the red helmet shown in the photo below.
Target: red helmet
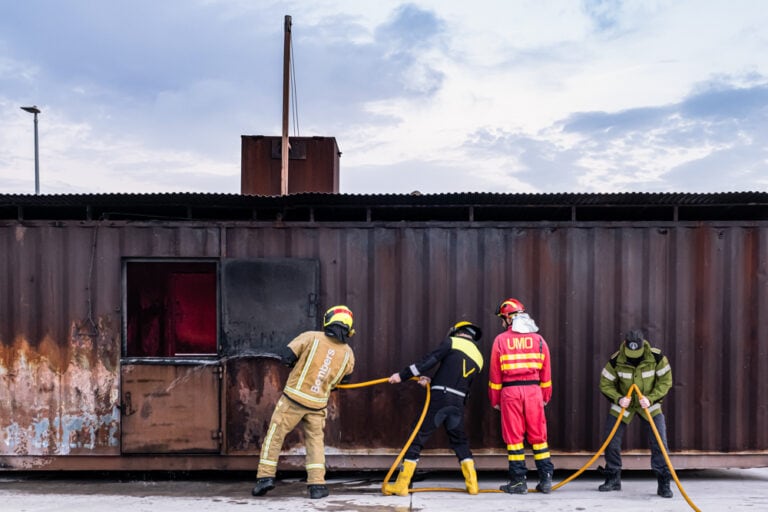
{"x": 509, "y": 307}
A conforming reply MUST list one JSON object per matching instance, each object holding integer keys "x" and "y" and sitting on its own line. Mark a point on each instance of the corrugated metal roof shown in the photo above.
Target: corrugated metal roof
{"x": 319, "y": 207}
{"x": 447, "y": 199}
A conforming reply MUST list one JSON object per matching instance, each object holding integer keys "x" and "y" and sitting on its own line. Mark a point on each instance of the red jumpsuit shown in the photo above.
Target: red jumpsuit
{"x": 520, "y": 383}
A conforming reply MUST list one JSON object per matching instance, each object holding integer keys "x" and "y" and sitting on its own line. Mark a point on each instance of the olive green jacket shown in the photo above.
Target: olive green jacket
{"x": 653, "y": 377}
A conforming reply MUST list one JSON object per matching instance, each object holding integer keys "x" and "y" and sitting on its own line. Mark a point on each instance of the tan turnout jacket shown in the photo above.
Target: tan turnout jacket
{"x": 322, "y": 362}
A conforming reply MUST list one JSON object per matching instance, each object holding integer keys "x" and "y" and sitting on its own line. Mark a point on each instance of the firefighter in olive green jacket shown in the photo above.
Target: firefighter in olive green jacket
{"x": 636, "y": 362}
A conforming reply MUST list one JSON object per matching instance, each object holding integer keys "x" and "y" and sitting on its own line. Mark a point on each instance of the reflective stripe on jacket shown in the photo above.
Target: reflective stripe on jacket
{"x": 460, "y": 361}
{"x": 519, "y": 357}
{"x": 653, "y": 376}
{"x": 322, "y": 362}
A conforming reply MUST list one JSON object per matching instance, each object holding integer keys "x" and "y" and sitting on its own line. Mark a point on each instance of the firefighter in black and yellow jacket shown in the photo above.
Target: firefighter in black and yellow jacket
{"x": 636, "y": 362}
{"x": 460, "y": 362}
{"x": 320, "y": 361}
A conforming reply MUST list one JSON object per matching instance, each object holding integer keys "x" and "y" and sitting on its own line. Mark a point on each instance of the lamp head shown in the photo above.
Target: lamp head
{"x": 32, "y": 110}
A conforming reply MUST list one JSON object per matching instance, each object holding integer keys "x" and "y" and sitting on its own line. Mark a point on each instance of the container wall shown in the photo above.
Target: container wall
{"x": 696, "y": 290}
{"x": 60, "y": 330}
{"x": 700, "y": 292}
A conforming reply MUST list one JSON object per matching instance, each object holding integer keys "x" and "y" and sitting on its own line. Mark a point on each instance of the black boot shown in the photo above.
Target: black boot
{"x": 317, "y": 491}
{"x": 516, "y": 485}
{"x": 545, "y": 482}
{"x": 263, "y": 486}
{"x": 663, "y": 490}
{"x": 612, "y": 482}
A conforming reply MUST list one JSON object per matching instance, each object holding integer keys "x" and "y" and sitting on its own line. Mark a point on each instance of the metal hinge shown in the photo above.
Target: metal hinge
{"x": 127, "y": 407}
{"x": 218, "y": 435}
{"x": 218, "y": 370}
{"x": 312, "y": 305}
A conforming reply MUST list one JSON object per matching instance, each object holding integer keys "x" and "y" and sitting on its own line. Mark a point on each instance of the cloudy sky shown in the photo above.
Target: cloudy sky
{"x": 431, "y": 95}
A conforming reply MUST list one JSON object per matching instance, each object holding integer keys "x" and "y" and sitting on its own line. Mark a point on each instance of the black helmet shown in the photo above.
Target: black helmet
{"x": 633, "y": 343}
{"x": 467, "y": 327}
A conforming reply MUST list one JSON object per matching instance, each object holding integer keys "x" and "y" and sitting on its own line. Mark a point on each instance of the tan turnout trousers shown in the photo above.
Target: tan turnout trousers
{"x": 285, "y": 418}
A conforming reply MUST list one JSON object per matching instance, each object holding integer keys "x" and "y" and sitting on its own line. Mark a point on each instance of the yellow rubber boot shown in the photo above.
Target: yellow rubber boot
{"x": 400, "y": 487}
{"x": 470, "y": 475}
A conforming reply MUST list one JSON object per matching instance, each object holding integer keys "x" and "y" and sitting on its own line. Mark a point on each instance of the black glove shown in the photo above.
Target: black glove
{"x": 287, "y": 357}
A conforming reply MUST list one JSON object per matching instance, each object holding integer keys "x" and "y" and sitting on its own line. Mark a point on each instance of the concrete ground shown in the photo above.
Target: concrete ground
{"x": 724, "y": 489}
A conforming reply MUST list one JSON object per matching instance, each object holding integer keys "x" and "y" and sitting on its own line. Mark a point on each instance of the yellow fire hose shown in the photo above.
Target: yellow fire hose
{"x": 663, "y": 450}
{"x": 413, "y": 434}
{"x": 416, "y": 428}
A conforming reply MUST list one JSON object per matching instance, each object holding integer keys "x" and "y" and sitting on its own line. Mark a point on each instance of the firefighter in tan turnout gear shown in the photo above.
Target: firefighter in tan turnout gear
{"x": 320, "y": 360}
{"x": 636, "y": 362}
{"x": 460, "y": 362}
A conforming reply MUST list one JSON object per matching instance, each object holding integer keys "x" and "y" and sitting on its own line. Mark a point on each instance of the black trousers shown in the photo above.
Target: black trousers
{"x": 613, "y": 450}
{"x": 446, "y": 410}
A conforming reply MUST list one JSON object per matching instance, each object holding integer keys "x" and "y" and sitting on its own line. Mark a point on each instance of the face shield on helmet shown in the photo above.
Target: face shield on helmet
{"x": 466, "y": 327}
{"x": 509, "y": 307}
{"x": 341, "y": 316}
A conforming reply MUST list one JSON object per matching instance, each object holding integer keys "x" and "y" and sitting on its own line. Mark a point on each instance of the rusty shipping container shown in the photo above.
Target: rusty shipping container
{"x": 136, "y": 331}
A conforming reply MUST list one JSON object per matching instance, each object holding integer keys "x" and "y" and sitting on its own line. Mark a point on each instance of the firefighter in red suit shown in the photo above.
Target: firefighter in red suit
{"x": 520, "y": 385}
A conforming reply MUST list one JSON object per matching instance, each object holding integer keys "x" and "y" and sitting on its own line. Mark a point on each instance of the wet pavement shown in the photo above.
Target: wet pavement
{"x": 724, "y": 489}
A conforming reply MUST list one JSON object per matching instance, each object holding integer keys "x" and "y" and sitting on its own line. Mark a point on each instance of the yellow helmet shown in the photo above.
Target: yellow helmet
{"x": 467, "y": 327}
{"x": 340, "y": 315}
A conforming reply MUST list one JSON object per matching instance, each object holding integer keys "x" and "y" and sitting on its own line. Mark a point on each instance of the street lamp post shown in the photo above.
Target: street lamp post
{"x": 34, "y": 110}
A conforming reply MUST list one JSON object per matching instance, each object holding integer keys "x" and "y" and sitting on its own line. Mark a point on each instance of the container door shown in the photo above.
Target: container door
{"x": 266, "y": 303}
{"x": 171, "y": 378}
{"x": 171, "y": 408}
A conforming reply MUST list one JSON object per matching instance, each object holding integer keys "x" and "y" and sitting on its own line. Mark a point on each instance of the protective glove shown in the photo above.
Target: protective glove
{"x": 394, "y": 378}
{"x": 624, "y": 402}
{"x": 424, "y": 381}
{"x": 645, "y": 403}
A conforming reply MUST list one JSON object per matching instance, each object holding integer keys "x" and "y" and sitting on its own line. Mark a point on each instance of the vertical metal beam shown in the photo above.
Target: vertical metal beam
{"x": 286, "y": 98}
{"x": 37, "y": 161}
{"x": 34, "y": 110}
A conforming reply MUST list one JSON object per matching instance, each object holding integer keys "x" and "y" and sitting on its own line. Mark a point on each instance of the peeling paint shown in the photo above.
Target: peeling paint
{"x": 64, "y": 435}
{"x": 56, "y": 401}
{"x": 254, "y": 387}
